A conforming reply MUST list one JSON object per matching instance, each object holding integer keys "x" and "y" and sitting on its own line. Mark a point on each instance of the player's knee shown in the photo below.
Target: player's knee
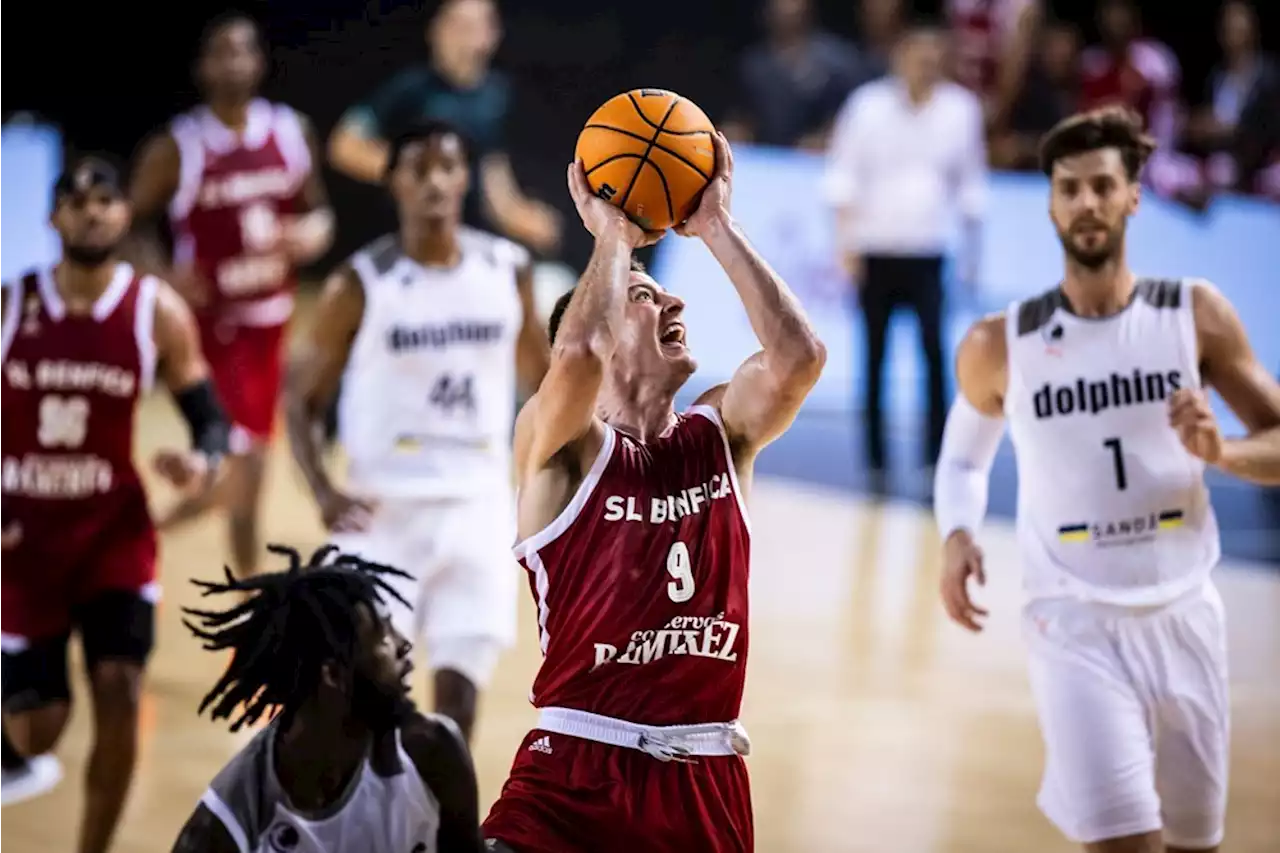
{"x": 36, "y": 731}
{"x": 456, "y": 697}
{"x": 117, "y": 687}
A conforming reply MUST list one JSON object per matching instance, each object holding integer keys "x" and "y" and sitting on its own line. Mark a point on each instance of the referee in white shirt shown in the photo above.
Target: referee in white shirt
{"x": 907, "y": 160}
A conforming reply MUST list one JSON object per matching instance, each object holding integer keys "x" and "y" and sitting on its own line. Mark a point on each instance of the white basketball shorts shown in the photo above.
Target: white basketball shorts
{"x": 1134, "y": 714}
{"x": 465, "y": 582}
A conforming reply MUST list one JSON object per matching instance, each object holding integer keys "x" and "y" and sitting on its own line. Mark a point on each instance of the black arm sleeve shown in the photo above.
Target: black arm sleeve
{"x": 210, "y": 432}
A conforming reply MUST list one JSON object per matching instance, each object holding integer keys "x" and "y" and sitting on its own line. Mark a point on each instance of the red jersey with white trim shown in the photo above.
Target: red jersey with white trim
{"x": 981, "y": 29}
{"x": 71, "y": 387}
{"x": 641, "y": 583}
{"x": 1145, "y": 77}
{"x": 235, "y": 191}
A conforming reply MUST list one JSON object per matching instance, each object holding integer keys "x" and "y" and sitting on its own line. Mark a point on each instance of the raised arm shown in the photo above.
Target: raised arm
{"x": 204, "y": 833}
{"x": 532, "y": 350}
{"x": 312, "y": 384}
{"x": 440, "y": 755}
{"x": 156, "y": 175}
{"x": 975, "y": 426}
{"x": 563, "y": 410}
{"x": 764, "y": 395}
{"x": 1249, "y": 389}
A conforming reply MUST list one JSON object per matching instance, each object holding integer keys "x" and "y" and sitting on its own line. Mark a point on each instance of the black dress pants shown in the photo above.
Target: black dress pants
{"x": 890, "y": 281}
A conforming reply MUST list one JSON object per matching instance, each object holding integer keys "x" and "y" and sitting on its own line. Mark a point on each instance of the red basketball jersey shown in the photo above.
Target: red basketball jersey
{"x": 70, "y": 389}
{"x": 234, "y": 193}
{"x": 1145, "y": 78}
{"x": 981, "y": 29}
{"x": 641, "y": 583}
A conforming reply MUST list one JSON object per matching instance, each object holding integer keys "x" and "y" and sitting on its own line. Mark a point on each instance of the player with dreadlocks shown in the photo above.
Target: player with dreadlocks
{"x": 347, "y": 762}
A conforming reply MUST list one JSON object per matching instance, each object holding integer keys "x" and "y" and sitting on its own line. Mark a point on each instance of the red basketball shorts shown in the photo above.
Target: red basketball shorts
{"x": 247, "y": 363}
{"x": 68, "y": 556}
{"x": 569, "y": 795}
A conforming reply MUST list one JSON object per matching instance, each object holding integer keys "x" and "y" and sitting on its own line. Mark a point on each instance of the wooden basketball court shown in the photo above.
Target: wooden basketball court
{"x": 876, "y": 724}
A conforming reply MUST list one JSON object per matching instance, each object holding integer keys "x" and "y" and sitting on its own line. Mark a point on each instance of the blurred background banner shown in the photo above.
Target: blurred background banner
{"x": 30, "y": 158}
{"x": 777, "y": 200}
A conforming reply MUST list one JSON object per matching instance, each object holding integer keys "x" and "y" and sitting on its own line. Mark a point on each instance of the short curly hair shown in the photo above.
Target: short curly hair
{"x": 1107, "y": 127}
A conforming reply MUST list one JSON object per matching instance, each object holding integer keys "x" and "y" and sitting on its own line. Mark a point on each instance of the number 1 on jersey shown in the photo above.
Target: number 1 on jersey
{"x": 1117, "y": 457}
{"x": 681, "y": 569}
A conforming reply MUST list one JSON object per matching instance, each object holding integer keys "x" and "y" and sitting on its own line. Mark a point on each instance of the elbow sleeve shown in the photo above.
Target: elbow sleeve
{"x": 960, "y": 487}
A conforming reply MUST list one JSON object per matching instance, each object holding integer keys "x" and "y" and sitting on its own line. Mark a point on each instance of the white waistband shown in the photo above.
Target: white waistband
{"x": 265, "y": 312}
{"x": 665, "y": 743}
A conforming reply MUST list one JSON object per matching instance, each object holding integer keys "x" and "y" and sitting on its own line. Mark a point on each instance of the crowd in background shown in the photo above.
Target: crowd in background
{"x": 1031, "y": 71}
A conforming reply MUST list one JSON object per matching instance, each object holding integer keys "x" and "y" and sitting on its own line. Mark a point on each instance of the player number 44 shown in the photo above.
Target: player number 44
{"x": 450, "y": 392}
{"x": 680, "y": 588}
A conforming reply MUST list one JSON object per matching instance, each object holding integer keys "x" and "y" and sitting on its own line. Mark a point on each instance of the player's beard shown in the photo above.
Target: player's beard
{"x": 379, "y": 706}
{"x": 1093, "y": 258}
{"x": 88, "y": 256}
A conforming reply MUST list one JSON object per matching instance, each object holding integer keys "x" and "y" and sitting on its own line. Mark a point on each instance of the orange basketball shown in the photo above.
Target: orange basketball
{"x": 649, "y": 152}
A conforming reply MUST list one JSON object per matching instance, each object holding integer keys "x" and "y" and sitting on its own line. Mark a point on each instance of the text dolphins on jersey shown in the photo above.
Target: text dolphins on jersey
{"x": 1092, "y": 397}
{"x": 405, "y": 338}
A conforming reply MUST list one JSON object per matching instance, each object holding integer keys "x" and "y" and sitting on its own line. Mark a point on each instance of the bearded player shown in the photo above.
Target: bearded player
{"x": 346, "y": 762}
{"x": 1103, "y": 381}
{"x": 81, "y": 344}
{"x": 635, "y": 537}
{"x": 238, "y": 178}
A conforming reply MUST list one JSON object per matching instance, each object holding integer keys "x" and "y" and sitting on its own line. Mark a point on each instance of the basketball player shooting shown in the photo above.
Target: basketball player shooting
{"x": 635, "y": 537}
{"x": 1102, "y": 381}
{"x": 347, "y": 762}
{"x": 81, "y": 344}
{"x": 427, "y": 332}
{"x": 239, "y": 180}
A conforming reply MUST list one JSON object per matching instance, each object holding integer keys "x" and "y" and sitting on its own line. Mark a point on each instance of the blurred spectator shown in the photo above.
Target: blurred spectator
{"x": 1048, "y": 96}
{"x": 1235, "y": 129}
{"x": 1144, "y": 74}
{"x": 907, "y": 156}
{"x": 793, "y": 82}
{"x": 458, "y": 86}
{"x": 880, "y": 24}
{"x": 992, "y": 41}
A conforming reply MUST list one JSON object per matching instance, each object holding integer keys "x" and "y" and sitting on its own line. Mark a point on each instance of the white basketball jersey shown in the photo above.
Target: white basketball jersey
{"x": 1111, "y": 507}
{"x": 386, "y": 807}
{"x": 428, "y": 397}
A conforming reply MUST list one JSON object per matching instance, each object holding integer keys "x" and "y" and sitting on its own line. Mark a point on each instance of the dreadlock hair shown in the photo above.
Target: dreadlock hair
{"x": 562, "y": 304}
{"x": 294, "y": 622}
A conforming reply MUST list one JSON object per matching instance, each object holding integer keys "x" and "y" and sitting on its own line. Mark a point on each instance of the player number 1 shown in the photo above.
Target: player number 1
{"x": 1117, "y": 456}
{"x": 679, "y": 567}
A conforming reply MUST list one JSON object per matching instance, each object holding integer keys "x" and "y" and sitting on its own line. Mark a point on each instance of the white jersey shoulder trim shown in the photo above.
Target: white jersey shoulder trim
{"x": 185, "y": 130}
{"x": 712, "y": 414}
{"x": 14, "y": 290}
{"x": 144, "y": 330}
{"x": 502, "y": 250}
{"x": 211, "y": 801}
{"x": 570, "y": 513}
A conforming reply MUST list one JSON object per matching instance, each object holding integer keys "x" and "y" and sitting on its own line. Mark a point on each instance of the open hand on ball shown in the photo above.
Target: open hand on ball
{"x": 713, "y": 207}
{"x": 600, "y": 217}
